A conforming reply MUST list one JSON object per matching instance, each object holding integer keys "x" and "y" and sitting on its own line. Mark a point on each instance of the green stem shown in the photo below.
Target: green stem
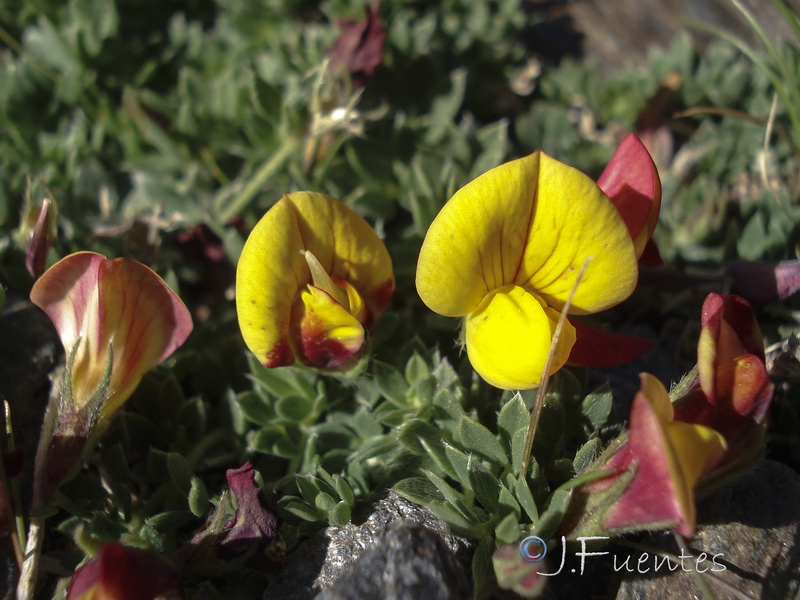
{"x": 267, "y": 170}
{"x": 536, "y": 411}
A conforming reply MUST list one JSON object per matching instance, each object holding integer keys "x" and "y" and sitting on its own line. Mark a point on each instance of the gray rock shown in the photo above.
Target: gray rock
{"x": 749, "y": 533}
{"x": 409, "y": 562}
{"x": 329, "y": 561}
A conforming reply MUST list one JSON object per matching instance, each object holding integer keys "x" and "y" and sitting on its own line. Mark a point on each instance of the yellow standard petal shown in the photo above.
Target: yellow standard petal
{"x": 475, "y": 243}
{"x": 574, "y": 220}
{"x": 531, "y": 222}
{"x": 508, "y": 338}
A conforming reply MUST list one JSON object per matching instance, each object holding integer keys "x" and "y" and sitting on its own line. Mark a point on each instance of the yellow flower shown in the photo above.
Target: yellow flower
{"x": 505, "y": 253}
{"x": 311, "y": 279}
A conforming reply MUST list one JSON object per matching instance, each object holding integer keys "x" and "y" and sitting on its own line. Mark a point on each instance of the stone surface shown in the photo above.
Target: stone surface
{"x": 751, "y": 527}
{"x": 409, "y": 562}
{"x": 321, "y": 561}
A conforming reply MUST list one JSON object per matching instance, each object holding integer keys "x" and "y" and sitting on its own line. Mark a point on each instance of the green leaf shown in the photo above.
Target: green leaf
{"x": 324, "y": 502}
{"x": 494, "y": 139}
{"x": 180, "y": 472}
{"x": 308, "y": 486}
{"x": 288, "y": 381}
{"x": 255, "y": 408}
{"x": 344, "y": 490}
{"x": 294, "y": 409}
{"x": 508, "y": 530}
{"x": 447, "y": 405}
{"x": 459, "y": 462}
{"x": 446, "y": 106}
{"x": 450, "y": 494}
{"x": 437, "y": 452}
{"x": 415, "y": 430}
{"x": 301, "y": 509}
{"x": 453, "y": 518}
{"x": 391, "y": 383}
{"x": 513, "y": 416}
{"x": 518, "y": 449}
{"x": 586, "y": 454}
{"x": 508, "y": 504}
{"x": 525, "y": 498}
{"x": 483, "y": 578}
{"x": 416, "y": 369}
{"x": 596, "y": 407}
{"x": 551, "y": 518}
{"x": 484, "y": 485}
{"x": 198, "y": 498}
{"x": 476, "y": 438}
{"x": 340, "y": 514}
{"x": 418, "y": 489}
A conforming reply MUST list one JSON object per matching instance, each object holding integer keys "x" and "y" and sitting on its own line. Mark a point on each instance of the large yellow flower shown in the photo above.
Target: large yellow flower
{"x": 505, "y": 253}
{"x": 311, "y": 279}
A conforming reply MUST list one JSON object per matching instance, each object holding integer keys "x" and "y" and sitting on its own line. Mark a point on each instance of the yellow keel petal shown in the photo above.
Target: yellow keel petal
{"x": 508, "y": 338}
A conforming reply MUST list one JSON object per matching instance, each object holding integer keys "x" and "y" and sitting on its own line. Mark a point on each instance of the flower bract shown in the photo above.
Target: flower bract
{"x": 311, "y": 279}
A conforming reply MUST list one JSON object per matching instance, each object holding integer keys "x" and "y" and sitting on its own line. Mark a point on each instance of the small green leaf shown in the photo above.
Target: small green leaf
{"x": 551, "y": 518}
{"x": 410, "y": 434}
{"x": 484, "y": 581}
{"x": 525, "y": 498}
{"x": 324, "y": 502}
{"x": 391, "y": 383}
{"x": 416, "y": 369}
{"x": 447, "y": 405}
{"x": 418, "y": 489}
{"x": 180, "y": 472}
{"x": 586, "y": 454}
{"x": 450, "y": 494}
{"x": 476, "y": 438}
{"x": 453, "y": 518}
{"x": 340, "y": 514}
{"x": 169, "y": 520}
{"x": 513, "y": 416}
{"x": 596, "y": 407}
{"x": 301, "y": 509}
{"x": 508, "y": 504}
{"x": 460, "y": 462}
{"x": 484, "y": 485}
{"x": 508, "y": 530}
{"x": 436, "y": 451}
{"x": 198, "y": 497}
{"x": 255, "y": 408}
{"x": 294, "y": 409}
{"x": 344, "y": 490}
{"x": 308, "y": 486}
